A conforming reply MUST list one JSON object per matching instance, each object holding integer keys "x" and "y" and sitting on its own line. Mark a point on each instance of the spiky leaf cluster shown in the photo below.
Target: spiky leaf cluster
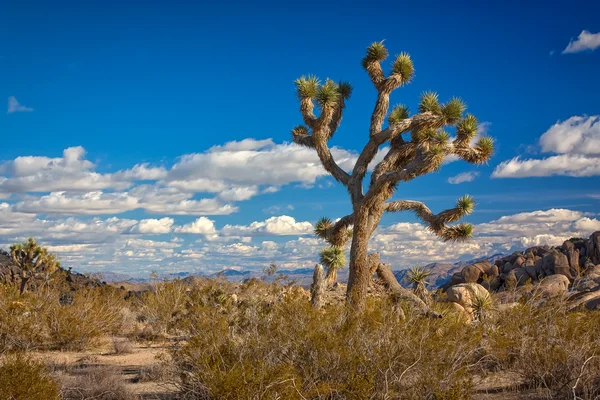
{"x": 467, "y": 127}
{"x": 307, "y": 86}
{"x": 321, "y": 227}
{"x": 328, "y": 94}
{"x": 465, "y": 204}
{"x": 403, "y": 66}
{"x": 485, "y": 147}
{"x": 442, "y": 137}
{"x": 430, "y": 103}
{"x": 458, "y": 233}
{"x": 333, "y": 257}
{"x": 453, "y": 111}
{"x": 398, "y": 113}
{"x": 345, "y": 90}
{"x": 418, "y": 276}
{"x": 298, "y": 132}
{"x": 375, "y": 52}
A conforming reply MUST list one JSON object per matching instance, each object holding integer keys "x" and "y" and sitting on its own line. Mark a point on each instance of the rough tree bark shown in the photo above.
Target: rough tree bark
{"x": 317, "y": 290}
{"x": 422, "y": 151}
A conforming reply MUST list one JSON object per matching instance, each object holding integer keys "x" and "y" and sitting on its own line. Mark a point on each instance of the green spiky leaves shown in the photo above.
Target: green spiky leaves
{"x": 345, "y": 90}
{"x": 485, "y": 148}
{"x": 321, "y": 227}
{"x": 465, "y": 204}
{"x": 442, "y": 137}
{"x": 327, "y": 94}
{"x": 467, "y": 127}
{"x": 403, "y": 66}
{"x": 307, "y": 86}
{"x": 453, "y": 111}
{"x": 418, "y": 276}
{"x": 375, "y": 52}
{"x": 458, "y": 233}
{"x": 430, "y": 103}
{"x": 333, "y": 257}
{"x": 399, "y": 113}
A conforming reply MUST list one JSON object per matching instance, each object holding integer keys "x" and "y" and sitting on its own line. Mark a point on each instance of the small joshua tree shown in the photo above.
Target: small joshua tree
{"x": 333, "y": 258}
{"x": 417, "y": 277}
{"x": 417, "y": 146}
{"x": 33, "y": 261}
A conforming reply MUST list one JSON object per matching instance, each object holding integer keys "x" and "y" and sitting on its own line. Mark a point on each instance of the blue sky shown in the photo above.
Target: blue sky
{"x": 125, "y": 85}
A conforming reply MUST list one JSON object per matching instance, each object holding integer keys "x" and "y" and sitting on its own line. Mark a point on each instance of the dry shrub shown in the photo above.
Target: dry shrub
{"x": 551, "y": 348}
{"x": 42, "y": 319}
{"x": 22, "y": 378}
{"x": 163, "y": 306}
{"x": 287, "y": 349}
{"x": 122, "y": 346}
{"x": 92, "y": 315}
{"x": 22, "y": 322}
{"x": 98, "y": 383}
{"x": 158, "y": 372}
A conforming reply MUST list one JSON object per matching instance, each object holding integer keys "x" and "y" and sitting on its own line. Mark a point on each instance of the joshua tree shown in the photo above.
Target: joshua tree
{"x": 33, "y": 261}
{"x": 333, "y": 258}
{"x": 417, "y": 276}
{"x": 417, "y": 146}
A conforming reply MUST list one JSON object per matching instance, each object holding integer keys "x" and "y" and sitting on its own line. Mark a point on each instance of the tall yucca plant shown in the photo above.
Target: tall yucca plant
{"x": 333, "y": 258}
{"x": 32, "y": 260}
{"x": 418, "y": 145}
{"x": 417, "y": 277}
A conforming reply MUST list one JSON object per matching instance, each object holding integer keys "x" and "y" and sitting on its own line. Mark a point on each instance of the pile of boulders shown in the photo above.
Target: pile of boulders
{"x": 572, "y": 269}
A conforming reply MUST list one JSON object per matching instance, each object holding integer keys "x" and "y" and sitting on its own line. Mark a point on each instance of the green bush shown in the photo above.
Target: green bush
{"x": 24, "y": 379}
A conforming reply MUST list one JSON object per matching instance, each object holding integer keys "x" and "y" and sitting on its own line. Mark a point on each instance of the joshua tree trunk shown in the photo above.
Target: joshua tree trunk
{"x": 359, "y": 276}
{"x": 317, "y": 290}
{"x": 422, "y": 152}
{"x": 331, "y": 276}
{"x": 24, "y": 279}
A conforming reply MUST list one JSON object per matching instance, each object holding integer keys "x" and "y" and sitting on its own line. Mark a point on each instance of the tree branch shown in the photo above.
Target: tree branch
{"x": 337, "y": 117}
{"x": 337, "y": 234}
{"x": 385, "y": 273}
{"x": 306, "y": 109}
{"x": 437, "y": 223}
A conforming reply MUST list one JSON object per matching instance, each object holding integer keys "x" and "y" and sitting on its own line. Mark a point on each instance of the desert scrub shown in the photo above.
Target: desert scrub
{"x": 22, "y": 378}
{"x": 102, "y": 383}
{"x": 288, "y": 349}
{"x": 163, "y": 306}
{"x": 549, "y": 347}
{"x": 49, "y": 319}
{"x": 22, "y": 324}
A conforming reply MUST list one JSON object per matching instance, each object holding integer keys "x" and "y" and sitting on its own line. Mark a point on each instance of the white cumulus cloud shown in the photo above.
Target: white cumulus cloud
{"x": 576, "y": 142}
{"x": 585, "y": 41}
{"x": 463, "y": 177}
{"x": 280, "y": 225}
{"x": 153, "y": 226}
{"x": 201, "y": 226}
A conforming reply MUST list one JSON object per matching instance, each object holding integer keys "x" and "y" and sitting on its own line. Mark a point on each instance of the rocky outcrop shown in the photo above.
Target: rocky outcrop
{"x": 572, "y": 260}
{"x": 464, "y": 294}
{"x": 593, "y": 248}
{"x": 554, "y": 285}
{"x": 474, "y": 273}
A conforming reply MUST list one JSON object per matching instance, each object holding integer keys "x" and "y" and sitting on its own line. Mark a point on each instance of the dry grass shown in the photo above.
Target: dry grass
{"x": 266, "y": 341}
{"x": 101, "y": 383}
{"x": 22, "y": 378}
{"x": 122, "y": 346}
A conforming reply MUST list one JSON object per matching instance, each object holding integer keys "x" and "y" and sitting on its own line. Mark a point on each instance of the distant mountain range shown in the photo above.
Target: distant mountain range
{"x": 440, "y": 273}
